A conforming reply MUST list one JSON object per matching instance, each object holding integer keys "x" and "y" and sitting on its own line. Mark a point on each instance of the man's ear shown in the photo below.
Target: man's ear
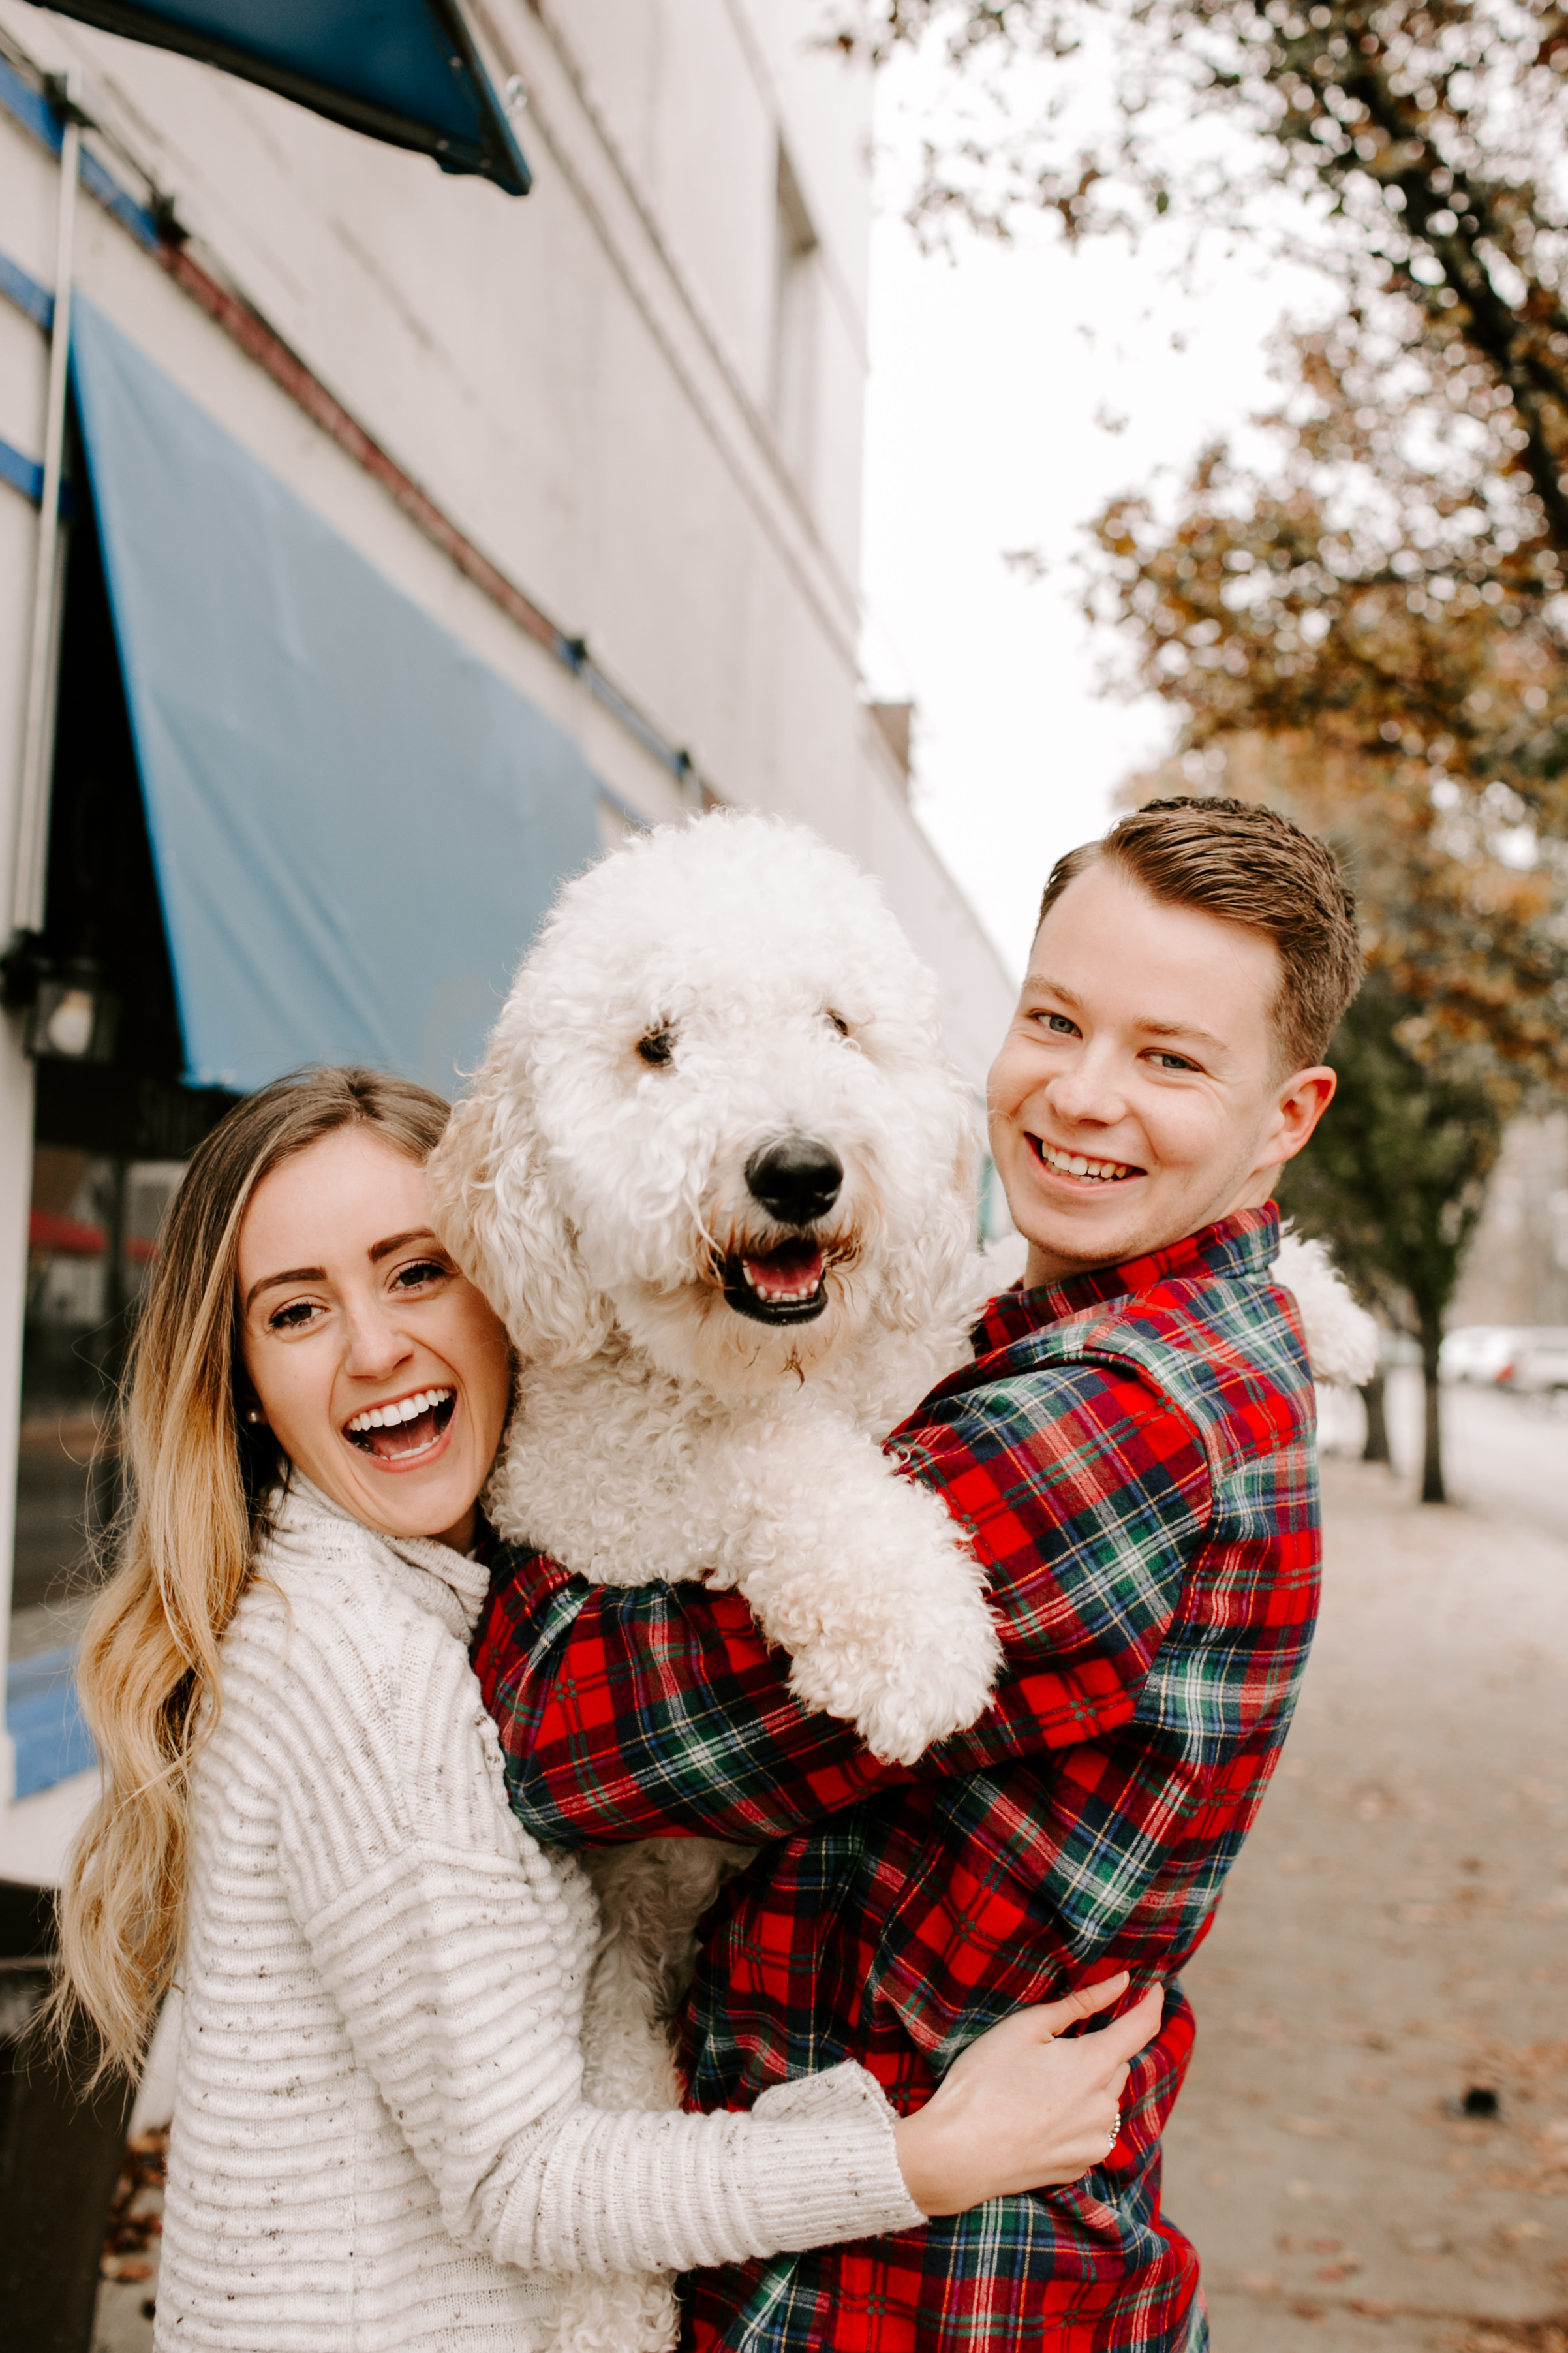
{"x": 1301, "y": 1102}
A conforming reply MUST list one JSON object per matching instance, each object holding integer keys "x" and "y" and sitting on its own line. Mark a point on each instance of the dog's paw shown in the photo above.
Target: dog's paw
{"x": 884, "y": 1617}
{"x": 862, "y": 1576}
{"x": 902, "y": 1707}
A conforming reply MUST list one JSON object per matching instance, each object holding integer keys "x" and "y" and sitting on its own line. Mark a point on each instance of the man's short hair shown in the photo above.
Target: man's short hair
{"x": 1246, "y": 864}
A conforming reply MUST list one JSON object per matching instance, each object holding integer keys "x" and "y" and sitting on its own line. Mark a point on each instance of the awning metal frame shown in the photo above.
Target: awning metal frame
{"x": 498, "y": 157}
{"x": 43, "y": 653}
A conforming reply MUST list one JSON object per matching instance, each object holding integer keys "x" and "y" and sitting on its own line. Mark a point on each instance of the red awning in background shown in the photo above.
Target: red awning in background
{"x": 58, "y": 1236}
{"x": 54, "y": 1235}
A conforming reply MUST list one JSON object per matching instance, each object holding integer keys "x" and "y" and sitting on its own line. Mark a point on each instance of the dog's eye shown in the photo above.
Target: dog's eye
{"x": 657, "y": 1048}
{"x": 839, "y": 1022}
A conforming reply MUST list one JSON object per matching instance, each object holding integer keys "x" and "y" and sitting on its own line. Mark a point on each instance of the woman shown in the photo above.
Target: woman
{"x": 378, "y": 2137}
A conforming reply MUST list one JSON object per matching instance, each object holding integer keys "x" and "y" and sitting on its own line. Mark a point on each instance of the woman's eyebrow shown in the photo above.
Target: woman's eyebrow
{"x": 396, "y": 1241}
{"x": 378, "y": 1251}
{"x": 272, "y": 1282}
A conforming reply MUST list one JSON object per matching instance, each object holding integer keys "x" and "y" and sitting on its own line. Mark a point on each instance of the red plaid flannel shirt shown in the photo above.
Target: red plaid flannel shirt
{"x": 1132, "y": 1451}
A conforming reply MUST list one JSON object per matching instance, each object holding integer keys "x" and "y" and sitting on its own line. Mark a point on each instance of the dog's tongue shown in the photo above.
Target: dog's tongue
{"x": 404, "y": 1437}
{"x": 788, "y": 1274}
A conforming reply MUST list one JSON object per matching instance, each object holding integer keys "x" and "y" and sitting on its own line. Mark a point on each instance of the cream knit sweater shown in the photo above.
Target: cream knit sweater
{"x": 379, "y": 2140}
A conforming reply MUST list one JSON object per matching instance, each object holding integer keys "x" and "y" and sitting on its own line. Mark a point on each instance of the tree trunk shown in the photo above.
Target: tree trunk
{"x": 1432, "y": 1488}
{"x": 1373, "y": 1399}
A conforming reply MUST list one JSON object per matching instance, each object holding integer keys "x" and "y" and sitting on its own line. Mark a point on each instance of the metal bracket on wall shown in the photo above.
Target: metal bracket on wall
{"x": 42, "y": 662}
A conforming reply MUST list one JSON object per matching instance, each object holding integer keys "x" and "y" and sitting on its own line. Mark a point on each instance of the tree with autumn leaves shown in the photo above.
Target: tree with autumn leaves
{"x": 1316, "y": 656}
{"x": 1370, "y": 628}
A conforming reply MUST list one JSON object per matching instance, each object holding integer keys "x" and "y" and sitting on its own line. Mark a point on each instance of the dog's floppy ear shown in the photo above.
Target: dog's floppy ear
{"x": 918, "y": 1287}
{"x": 494, "y": 1207}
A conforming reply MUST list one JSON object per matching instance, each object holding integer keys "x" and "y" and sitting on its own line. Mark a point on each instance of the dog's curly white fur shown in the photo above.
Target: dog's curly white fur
{"x": 698, "y": 997}
{"x": 701, "y": 997}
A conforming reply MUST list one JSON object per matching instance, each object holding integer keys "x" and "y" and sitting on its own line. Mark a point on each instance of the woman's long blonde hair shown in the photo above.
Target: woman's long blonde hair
{"x": 198, "y": 1479}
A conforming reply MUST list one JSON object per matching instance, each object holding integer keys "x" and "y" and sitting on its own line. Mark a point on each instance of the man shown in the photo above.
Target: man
{"x": 1132, "y": 1451}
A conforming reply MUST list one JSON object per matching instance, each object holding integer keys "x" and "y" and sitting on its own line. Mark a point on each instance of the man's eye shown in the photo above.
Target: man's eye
{"x": 1174, "y": 1062}
{"x": 1059, "y": 1025}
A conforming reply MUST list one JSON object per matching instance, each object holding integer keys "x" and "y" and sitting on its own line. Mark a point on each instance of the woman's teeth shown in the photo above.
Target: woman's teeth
{"x": 1076, "y": 1164}
{"x": 387, "y": 1416}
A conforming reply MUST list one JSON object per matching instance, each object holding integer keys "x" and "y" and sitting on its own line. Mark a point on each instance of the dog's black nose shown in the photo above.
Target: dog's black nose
{"x": 796, "y": 1180}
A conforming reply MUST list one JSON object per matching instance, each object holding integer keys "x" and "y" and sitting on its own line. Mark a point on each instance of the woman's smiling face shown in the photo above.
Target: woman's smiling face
{"x": 379, "y": 1368}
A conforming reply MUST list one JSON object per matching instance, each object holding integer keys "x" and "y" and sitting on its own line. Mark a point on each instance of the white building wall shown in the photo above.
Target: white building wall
{"x": 579, "y": 378}
{"x": 582, "y": 380}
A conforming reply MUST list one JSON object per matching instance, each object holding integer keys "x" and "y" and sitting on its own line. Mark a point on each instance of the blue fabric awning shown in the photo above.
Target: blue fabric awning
{"x": 355, "y": 823}
{"x": 403, "y": 71}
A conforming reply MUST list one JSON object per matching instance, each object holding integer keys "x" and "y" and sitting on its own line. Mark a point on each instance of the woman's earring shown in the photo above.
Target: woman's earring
{"x": 255, "y": 1414}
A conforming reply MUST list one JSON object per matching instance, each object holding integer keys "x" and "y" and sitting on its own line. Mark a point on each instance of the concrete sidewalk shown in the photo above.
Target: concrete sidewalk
{"x": 1393, "y": 1938}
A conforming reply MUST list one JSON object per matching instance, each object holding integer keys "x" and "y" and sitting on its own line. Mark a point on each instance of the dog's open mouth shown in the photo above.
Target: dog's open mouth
{"x": 409, "y": 1426}
{"x": 785, "y": 1285}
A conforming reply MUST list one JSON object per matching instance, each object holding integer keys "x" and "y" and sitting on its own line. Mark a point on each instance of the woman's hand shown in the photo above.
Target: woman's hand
{"x": 1022, "y": 2110}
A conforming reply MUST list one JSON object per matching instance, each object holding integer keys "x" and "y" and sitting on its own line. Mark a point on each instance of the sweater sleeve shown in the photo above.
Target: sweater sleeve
{"x": 457, "y": 1950}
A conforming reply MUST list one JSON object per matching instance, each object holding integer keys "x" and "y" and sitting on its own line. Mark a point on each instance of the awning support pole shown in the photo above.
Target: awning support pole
{"x": 37, "y": 737}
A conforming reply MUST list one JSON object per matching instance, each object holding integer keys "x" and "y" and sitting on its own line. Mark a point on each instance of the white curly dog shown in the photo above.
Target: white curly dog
{"x": 719, "y": 1178}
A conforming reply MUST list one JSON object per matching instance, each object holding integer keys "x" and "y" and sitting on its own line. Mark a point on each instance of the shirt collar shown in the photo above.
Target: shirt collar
{"x": 1239, "y": 1248}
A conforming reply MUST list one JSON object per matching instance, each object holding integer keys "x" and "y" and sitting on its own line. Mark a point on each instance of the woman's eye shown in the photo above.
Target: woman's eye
{"x": 292, "y": 1318}
{"x": 1174, "y": 1062}
{"x": 1059, "y": 1026}
{"x": 422, "y": 1271}
{"x": 657, "y": 1048}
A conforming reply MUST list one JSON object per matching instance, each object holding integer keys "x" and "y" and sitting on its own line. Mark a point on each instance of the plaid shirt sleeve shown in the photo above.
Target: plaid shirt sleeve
{"x": 630, "y": 1712}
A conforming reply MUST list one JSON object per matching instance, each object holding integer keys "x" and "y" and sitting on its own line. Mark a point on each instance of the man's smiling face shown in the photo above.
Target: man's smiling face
{"x": 1138, "y": 1096}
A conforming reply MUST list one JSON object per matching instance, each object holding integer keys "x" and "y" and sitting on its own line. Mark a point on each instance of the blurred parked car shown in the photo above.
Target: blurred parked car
{"x": 1538, "y": 1365}
{"x": 1478, "y": 1352}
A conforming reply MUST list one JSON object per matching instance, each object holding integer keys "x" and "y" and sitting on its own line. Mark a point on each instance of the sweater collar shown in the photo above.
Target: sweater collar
{"x": 1239, "y": 1248}
{"x": 310, "y": 1527}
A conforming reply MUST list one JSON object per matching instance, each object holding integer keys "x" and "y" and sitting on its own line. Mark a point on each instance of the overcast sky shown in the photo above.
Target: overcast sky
{"x": 997, "y": 380}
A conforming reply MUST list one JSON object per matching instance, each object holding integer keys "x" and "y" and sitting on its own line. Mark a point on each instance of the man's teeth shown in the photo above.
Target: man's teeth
{"x": 1076, "y": 1164}
{"x": 387, "y": 1416}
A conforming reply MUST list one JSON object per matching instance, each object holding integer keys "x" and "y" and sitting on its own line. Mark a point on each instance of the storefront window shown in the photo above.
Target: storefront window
{"x": 110, "y": 1142}
{"x": 92, "y": 1236}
